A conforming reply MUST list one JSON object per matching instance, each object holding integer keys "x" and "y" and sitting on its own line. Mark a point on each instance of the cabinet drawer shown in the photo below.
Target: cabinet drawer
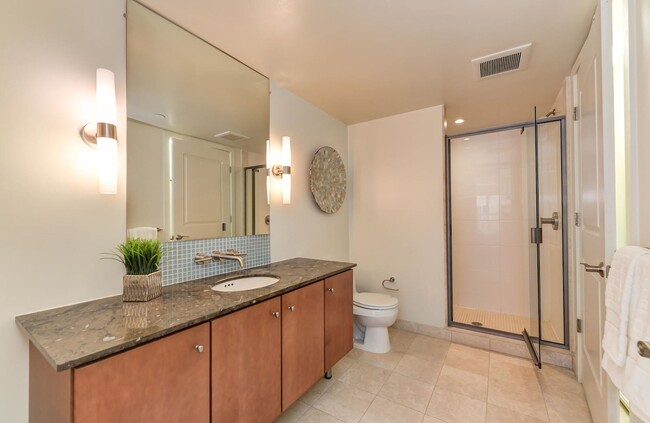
{"x": 339, "y": 334}
{"x": 246, "y": 364}
{"x": 303, "y": 342}
{"x": 165, "y": 380}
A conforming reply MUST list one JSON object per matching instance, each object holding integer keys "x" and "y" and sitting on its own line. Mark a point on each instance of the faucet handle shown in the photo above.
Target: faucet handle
{"x": 235, "y": 252}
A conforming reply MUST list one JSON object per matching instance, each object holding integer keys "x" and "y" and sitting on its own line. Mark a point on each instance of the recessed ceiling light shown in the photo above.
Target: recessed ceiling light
{"x": 465, "y": 139}
{"x": 459, "y": 121}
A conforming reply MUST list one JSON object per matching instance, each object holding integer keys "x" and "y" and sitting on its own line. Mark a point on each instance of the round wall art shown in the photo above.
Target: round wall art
{"x": 327, "y": 179}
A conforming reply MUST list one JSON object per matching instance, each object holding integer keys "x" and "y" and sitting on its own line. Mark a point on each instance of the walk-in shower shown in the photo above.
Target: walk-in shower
{"x": 506, "y": 224}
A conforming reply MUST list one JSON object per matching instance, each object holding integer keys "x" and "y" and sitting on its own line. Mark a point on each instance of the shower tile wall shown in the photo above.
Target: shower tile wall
{"x": 490, "y": 222}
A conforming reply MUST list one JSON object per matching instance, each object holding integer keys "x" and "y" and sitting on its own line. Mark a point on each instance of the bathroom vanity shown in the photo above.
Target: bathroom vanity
{"x": 193, "y": 354}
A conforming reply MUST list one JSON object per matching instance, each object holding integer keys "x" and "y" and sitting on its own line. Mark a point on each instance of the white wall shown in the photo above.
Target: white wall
{"x": 397, "y": 210}
{"x": 54, "y": 222}
{"x": 640, "y": 92}
{"x": 148, "y": 180}
{"x": 301, "y": 229}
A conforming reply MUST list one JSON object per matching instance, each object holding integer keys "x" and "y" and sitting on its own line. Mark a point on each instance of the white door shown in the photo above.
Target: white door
{"x": 201, "y": 190}
{"x": 595, "y": 237}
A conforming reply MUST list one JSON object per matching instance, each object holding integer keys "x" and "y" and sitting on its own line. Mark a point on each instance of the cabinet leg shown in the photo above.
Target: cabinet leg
{"x": 328, "y": 374}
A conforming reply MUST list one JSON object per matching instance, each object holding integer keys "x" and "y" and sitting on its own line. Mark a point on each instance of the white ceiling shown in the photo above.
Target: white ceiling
{"x": 360, "y": 60}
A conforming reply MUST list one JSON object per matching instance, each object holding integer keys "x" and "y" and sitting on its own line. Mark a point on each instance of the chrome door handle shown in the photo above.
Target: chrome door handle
{"x": 276, "y": 314}
{"x": 643, "y": 348}
{"x": 600, "y": 268}
{"x": 292, "y": 308}
{"x": 553, "y": 220}
{"x": 330, "y": 289}
{"x": 199, "y": 348}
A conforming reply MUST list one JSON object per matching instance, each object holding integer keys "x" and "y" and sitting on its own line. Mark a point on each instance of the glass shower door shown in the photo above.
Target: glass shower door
{"x": 532, "y": 333}
{"x": 503, "y": 183}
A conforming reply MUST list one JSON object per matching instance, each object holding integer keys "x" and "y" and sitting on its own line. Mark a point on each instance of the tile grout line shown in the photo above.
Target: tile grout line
{"x": 487, "y": 395}
{"x": 548, "y": 415}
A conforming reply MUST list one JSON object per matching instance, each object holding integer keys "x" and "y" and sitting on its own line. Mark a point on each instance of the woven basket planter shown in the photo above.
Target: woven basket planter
{"x": 142, "y": 287}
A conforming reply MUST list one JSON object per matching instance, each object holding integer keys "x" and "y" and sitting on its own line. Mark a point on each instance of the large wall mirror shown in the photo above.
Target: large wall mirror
{"x": 198, "y": 121}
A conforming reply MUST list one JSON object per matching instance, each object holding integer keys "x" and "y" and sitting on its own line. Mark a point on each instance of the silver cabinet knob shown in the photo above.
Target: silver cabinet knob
{"x": 330, "y": 289}
{"x": 276, "y": 314}
{"x": 199, "y": 348}
{"x": 292, "y": 308}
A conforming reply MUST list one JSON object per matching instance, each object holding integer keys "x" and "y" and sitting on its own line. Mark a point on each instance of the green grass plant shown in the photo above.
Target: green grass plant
{"x": 139, "y": 256}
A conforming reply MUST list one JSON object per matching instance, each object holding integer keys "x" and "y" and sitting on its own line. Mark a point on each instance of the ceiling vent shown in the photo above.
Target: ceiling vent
{"x": 506, "y": 61}
{"x": 231, "y": 136}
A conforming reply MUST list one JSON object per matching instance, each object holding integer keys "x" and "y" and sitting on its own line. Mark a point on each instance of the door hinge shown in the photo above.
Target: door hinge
{"x": 579, "y": 325}
{"x": 575, "y": 113}
{"x": 577, "y": 219}
{"x": 535, "y": 235}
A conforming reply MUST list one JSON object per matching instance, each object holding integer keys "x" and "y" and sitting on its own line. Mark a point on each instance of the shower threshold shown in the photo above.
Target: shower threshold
{"x": 502, "y": 322}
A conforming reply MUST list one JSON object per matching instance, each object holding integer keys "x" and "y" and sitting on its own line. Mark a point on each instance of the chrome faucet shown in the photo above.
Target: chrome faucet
{"x": 231, "y": 254}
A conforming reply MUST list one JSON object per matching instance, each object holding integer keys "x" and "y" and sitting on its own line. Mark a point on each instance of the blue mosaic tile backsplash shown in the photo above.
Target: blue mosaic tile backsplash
{"x": 178, "y": 264}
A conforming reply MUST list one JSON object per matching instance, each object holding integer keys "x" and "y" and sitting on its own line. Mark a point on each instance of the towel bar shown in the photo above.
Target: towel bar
{"x": 643, "y": 348}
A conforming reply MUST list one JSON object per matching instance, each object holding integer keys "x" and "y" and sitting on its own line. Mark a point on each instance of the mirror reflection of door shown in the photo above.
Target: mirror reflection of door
{"x": 201, "y": 189}
{"x": 256, "y": 207}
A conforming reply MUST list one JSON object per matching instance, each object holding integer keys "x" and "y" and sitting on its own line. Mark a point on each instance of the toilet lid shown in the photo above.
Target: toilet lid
{"x": 374, "y": 301}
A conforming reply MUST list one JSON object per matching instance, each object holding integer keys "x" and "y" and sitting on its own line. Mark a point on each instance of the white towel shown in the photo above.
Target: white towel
{"x": 617, "y": 303}
{"x": 636, "y": 385}
{"x": 143, "y": 232}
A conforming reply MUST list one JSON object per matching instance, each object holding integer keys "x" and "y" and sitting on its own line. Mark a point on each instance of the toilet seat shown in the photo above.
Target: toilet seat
{"x": 373, "y": 301}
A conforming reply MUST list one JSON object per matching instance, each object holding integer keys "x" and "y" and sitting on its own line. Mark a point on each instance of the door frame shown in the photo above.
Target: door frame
{"x": 565, "y": 256}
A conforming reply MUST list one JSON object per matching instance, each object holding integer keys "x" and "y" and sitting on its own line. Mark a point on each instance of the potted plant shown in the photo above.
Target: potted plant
{"x": 141, "y": 259}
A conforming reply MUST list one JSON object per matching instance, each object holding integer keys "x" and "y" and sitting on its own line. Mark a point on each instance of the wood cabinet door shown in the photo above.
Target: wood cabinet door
{"x": 246, "y": 373}
{"x": 339, "y": 336}
{"x": 167, "y": 380}
{"x": 303, "y": 341}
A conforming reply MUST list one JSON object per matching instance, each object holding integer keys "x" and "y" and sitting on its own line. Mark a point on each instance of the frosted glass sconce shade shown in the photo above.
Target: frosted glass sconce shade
{"x": 103, "y": 132}
{"x": 282, "y": 170}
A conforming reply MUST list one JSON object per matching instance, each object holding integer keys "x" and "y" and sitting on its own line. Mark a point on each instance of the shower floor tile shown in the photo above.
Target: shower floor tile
{"x": 503, "y": 322}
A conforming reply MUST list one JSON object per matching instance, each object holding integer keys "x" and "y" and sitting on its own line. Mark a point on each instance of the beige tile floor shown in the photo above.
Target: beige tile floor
{"x": 427, "y": 380}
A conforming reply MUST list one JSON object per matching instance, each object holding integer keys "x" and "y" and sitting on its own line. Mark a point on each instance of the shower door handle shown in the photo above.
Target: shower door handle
{"x": 553, "y": 220}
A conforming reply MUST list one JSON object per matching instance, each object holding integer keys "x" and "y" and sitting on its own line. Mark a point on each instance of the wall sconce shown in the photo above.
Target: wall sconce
{"x": 281, "y": 171}
{"x": 102, "y": 134}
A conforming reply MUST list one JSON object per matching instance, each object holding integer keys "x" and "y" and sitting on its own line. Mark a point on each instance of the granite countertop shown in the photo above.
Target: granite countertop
{"x": 78, "y": 334}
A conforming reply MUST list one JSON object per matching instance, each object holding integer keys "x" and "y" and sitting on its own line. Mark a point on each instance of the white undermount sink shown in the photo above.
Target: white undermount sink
{"x": 245, "y": 283}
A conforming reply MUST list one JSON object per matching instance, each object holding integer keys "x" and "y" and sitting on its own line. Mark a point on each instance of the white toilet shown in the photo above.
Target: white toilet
{"x": 373, "y": 314}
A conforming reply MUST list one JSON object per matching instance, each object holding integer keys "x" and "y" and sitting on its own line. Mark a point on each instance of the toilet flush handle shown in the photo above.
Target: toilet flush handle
{"x": 391, "y": 280}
